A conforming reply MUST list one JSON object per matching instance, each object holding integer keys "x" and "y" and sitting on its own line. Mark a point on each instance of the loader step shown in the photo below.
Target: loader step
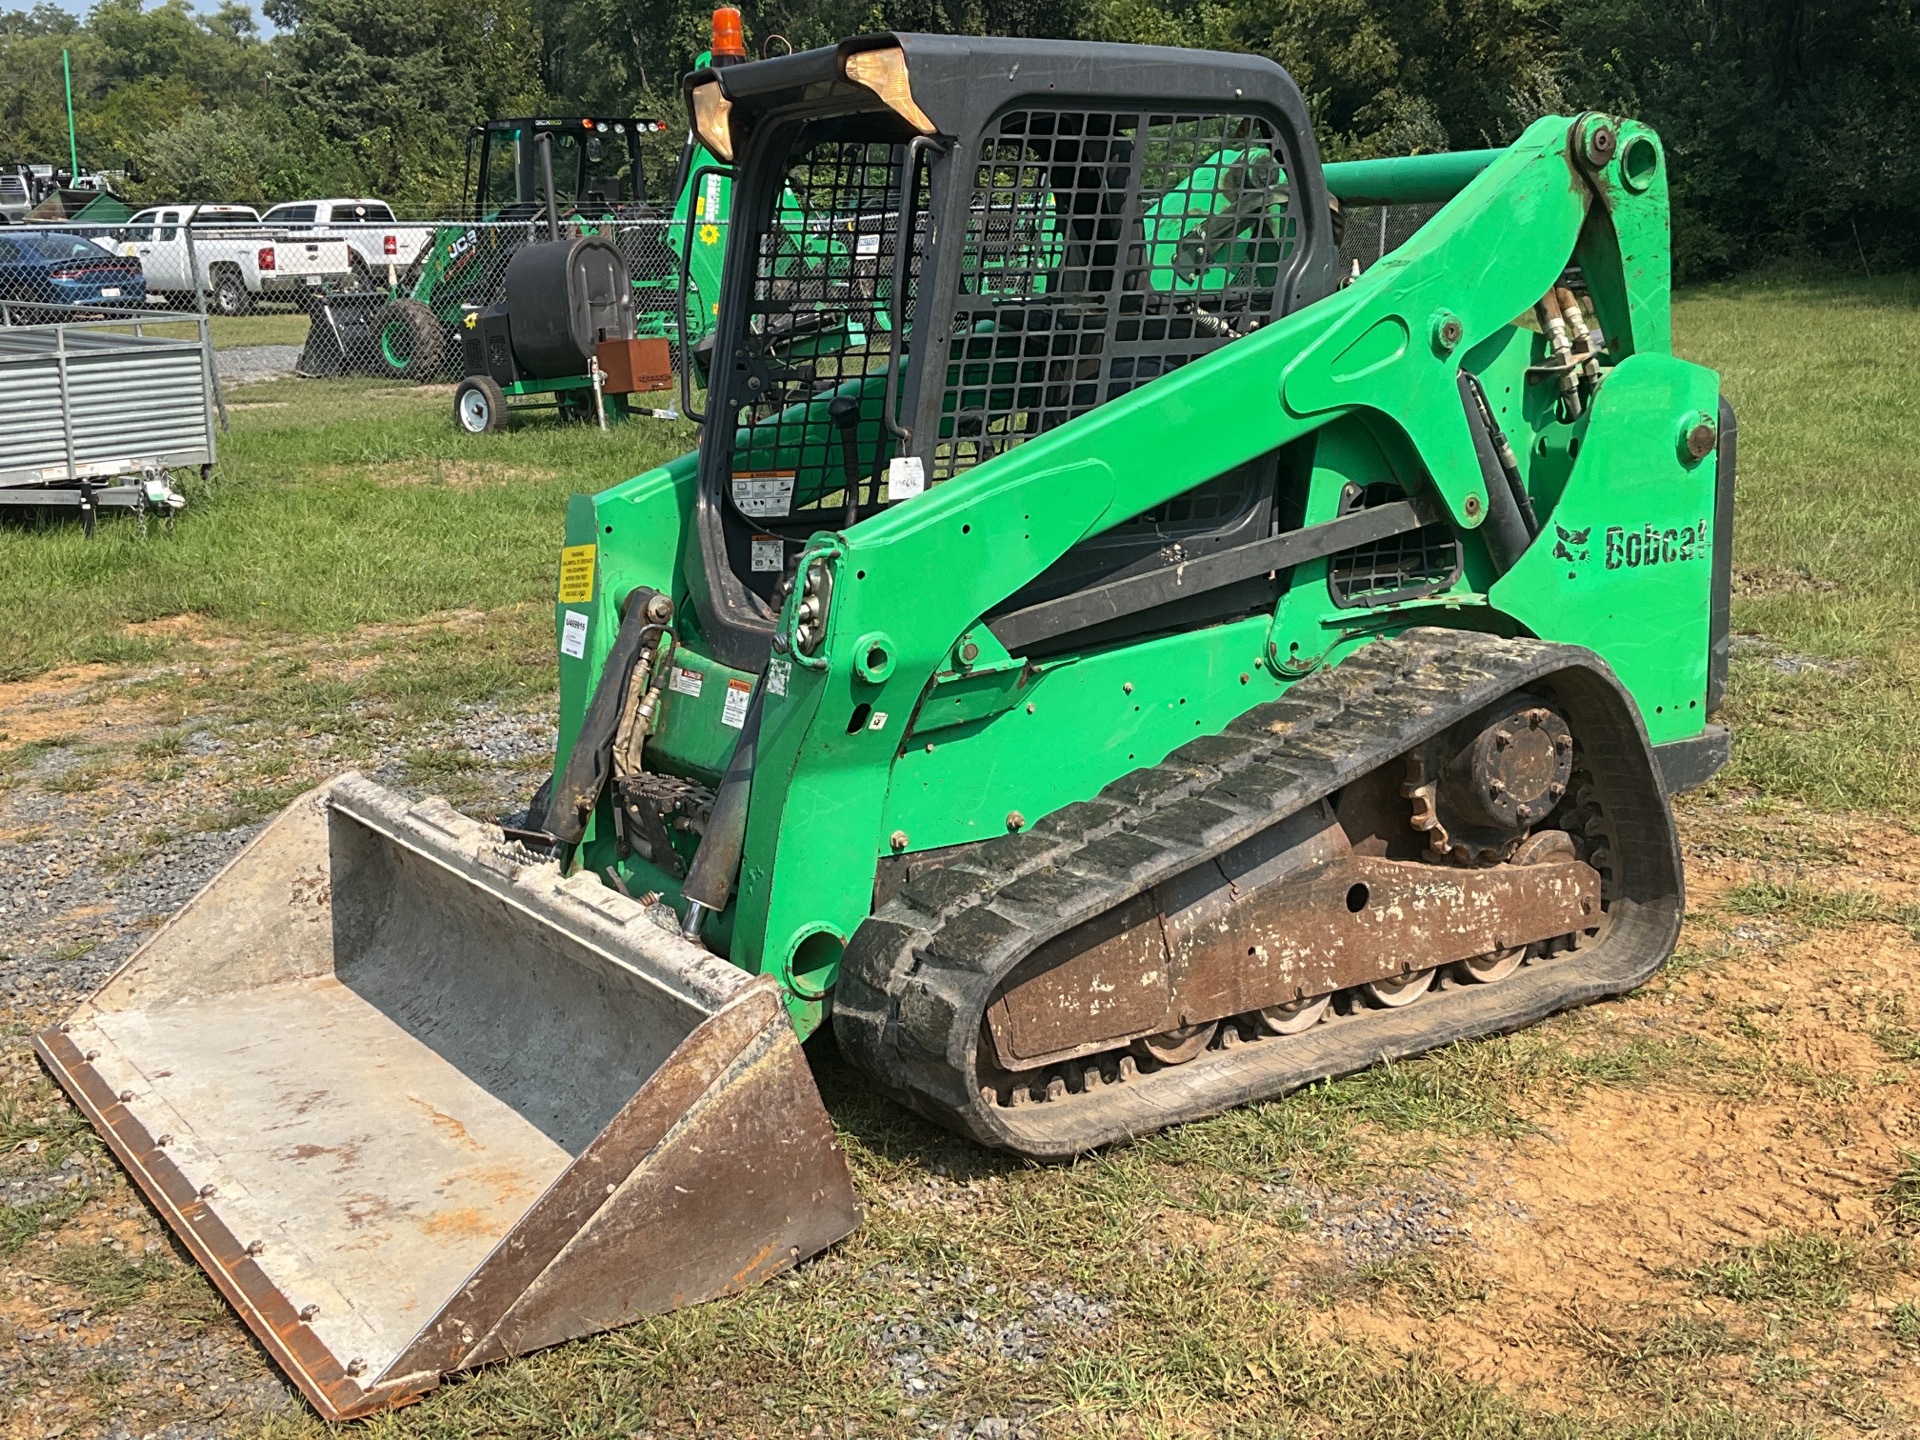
{"x": 913, "y": 999}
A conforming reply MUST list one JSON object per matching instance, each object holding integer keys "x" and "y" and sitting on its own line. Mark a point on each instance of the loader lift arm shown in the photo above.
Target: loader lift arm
{"x": 1328, "y": 395}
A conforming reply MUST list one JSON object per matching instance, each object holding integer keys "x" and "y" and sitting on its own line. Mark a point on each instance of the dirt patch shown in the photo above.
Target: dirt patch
{"x": 66, "y": 705}
{"x": 1787, "y": 1132}
{"x": 454, "y": 474}
{"x": 189, "y": 626}
{"x": 459, "y": 474}
{"x": 391, "y": 392}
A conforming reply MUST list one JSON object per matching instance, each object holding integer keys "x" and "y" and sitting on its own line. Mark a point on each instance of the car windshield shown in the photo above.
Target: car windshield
{"x": 203, "y": 218}
{"x": 63, "y": 247}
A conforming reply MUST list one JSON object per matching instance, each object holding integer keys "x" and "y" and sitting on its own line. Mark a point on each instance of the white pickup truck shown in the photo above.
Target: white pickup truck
{"x": 235, "y": 258}
{"x": 383, "y": 249}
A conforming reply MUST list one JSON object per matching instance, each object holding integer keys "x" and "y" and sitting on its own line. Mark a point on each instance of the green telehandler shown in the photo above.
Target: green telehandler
{"x": 1149, "y": 674}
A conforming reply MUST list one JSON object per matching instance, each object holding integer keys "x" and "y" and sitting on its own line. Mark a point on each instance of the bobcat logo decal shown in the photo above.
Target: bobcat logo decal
{"x": 1572, "y": 544}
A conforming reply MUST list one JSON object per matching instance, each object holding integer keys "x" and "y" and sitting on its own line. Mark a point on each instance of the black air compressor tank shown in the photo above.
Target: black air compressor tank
{"x": 564, "y": 297}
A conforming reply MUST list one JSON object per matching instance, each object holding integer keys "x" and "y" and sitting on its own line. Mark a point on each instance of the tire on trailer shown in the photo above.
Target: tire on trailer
{"x": 230, "y": 295}
{"x": 410, "y": 342}
{"x": 480, "y": 406}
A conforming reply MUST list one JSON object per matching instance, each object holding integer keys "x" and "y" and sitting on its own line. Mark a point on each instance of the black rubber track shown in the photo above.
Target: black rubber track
{"x": 917, "y": 976}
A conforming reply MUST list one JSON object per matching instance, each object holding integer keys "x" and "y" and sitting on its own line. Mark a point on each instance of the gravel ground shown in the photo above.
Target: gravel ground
{"x": 1378, "y": 1226}
{"x": 244, "y": 364}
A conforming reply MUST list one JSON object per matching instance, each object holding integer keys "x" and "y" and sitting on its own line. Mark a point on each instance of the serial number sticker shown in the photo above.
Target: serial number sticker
{"x": 906, "y": 477}
{"x": 768, "y": 556}
{"x": 764, "y": 493}
{"x": 576, "y": 574}
{"x": 778, "y": 672}
{"x": 686, "y": 682}
{"x": 733, "y": 710}
{"x": 573, "y": 634}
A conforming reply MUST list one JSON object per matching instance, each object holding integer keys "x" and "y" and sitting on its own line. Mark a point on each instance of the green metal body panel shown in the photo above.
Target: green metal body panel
{"x": 856, "y": 763}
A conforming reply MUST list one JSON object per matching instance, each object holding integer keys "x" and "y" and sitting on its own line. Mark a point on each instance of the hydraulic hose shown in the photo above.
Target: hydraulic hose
{"x": 590, "y": 762}
{"x": 1504, "y": 530}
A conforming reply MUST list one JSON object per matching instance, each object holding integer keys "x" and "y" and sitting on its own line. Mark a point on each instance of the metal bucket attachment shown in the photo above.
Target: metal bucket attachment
{"x": 417, "y": 1102}
{"x": 342, "y": 337}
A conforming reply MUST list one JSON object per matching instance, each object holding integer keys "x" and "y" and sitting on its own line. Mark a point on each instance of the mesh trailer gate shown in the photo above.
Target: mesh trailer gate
{"x": 95, "y": 413}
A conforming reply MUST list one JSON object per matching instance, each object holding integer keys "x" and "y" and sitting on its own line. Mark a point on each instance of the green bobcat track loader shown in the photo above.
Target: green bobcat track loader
{"x": 1147, "y": 674}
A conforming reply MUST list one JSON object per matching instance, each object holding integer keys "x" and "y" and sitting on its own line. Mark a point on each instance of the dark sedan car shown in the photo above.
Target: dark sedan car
{"x": 68, "y": 271}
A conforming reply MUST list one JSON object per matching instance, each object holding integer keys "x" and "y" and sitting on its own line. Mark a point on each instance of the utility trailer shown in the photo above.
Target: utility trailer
{"x": 97, "y": 413}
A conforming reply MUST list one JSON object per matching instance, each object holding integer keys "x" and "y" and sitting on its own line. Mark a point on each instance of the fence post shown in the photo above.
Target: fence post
{"x": 66, "y": 400}
{"x": 200, "y": 309}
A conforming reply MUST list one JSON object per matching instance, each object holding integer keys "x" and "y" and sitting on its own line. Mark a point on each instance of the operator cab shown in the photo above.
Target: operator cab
{"x": 597, "y": 167}
{"x": 925, "y": 271}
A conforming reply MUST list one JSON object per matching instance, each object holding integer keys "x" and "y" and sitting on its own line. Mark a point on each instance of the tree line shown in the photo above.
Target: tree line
{"x": 1793, "y": 125}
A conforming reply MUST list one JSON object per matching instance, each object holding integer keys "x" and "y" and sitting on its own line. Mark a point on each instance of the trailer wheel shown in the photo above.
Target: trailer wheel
{"x": 230, "y": 295}
{"x": 412, "y": 342}
{"x": 480, "y": 405}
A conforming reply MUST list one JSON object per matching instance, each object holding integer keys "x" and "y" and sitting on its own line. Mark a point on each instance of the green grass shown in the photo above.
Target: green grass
{"x": 109, "y": 1279}
{"x": 1903, "y": 1195}
{"x": 273, "y": 327}
{"x": 357, "y": 504}
{"x": 1791, "y": 1274}
{"x": 1827, "y": 539}
{"x": 1811, "y": 905}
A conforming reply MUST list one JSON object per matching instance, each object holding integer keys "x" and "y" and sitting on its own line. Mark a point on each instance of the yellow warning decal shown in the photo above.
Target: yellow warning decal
{"x": 576, "y": 574}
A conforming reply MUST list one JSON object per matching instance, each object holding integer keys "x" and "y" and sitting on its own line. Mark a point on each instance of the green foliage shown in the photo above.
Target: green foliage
{"x": 1788, "y": 137}
{"x": 224, "y": 153}
{"x": 397, "y": 82}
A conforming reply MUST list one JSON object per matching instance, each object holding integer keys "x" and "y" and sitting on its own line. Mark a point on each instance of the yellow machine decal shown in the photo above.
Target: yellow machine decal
{"x": 576, "y": 574}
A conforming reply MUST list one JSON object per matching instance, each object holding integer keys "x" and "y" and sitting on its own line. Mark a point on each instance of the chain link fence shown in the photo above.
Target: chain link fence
{"x": 1369, "y": 233}
{"x": 390, "y": 298}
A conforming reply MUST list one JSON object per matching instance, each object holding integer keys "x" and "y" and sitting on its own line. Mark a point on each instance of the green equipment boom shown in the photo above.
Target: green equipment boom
{"x": 1151, "y": 670}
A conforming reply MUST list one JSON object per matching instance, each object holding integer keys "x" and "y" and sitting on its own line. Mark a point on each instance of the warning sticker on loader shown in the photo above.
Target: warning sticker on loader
{"x": 576, "y": 574}
{"x": 573, "y": 634}
{"x": 733, "y": 711}
{"x": 764, "y": 493}
{"x": 687, "y": 682}
{"x": 767, "y": 555}
{"x": 777, "y": 672}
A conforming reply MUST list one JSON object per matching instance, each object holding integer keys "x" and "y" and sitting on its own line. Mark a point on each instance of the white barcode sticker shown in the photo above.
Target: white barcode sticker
{"x": 573, "y": 634}
{"x": 764, "y": 494}
{"x": 768, "y": 556}
{"x": 777, "y": 673}
{"x": 686, "y": 682}
{"x": 733, "y": 711}
{"x": 906, "y": 477}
